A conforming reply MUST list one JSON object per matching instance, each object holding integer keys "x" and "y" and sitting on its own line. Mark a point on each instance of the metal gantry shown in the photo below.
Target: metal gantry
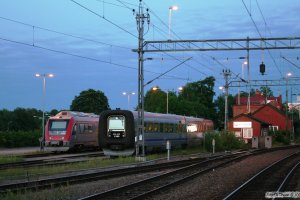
{"x": 222, "y": 44}
{"x": 279, "y": 82}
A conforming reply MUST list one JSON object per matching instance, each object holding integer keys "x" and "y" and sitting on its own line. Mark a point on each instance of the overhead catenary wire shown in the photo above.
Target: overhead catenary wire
{"x": 62, "y": 33}
{"x": 256, "y": 27}
{"x": 84, "y": 57}
{"x": 116, "y": 25}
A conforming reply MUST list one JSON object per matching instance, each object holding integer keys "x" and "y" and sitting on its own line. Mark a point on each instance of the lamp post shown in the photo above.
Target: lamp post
{"x": 44, "y": 76}
{"x": 171, "y": 8}
{"x": 243, "y": 65}
{"x": 128, "y": 94}
{"x": 286, "y": 96}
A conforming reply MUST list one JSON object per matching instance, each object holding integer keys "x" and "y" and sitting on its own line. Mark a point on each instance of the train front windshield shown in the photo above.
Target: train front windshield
{"x": 116, "y": 123}
{"x": 58, "y": 127}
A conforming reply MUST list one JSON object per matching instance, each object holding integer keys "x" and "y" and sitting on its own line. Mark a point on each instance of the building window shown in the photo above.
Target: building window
{"x": 238, "y": 134}
{"x": 273, "y": 128}
{"x": 247, "y": 132}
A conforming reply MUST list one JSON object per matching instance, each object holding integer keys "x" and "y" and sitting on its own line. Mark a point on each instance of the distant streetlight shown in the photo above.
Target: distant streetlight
{"x": 44, "y": 76}
{"x": 243, "y": 65}
{"x": 171, "y": 8}
{"x": 128, "y": 94}
{"x": 155, "y": 88}
{"x": 289, "y": 74}
{"x": 181, "y": 88}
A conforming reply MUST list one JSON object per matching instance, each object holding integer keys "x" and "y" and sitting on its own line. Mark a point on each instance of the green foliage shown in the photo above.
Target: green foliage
{"x": 220, "y": 107}
{"x": 266, "y": 91}
{"x": 196, "y": 99}
{"x": 20, "y": 119}
{"x": 281, "y": 137}
{"x": 10, "y": 159}
{"x": 223, "y": 141}
{"x": 19, "y": 138}
{"x": 90, "y": 101}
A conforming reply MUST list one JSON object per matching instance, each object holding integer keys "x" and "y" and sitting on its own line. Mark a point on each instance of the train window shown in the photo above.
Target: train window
{"x": 116, "y": 122}
{"x": 146, "y": 126}
{"x": 170, "y": 128}
{"x": 161, "y": 128}
{"x": 156, "y": 127}
{"x": 58, "y": 126}
{"x": 150, "y": 127}
{"x": 81, "y": 128}
{"x": 175, "y": 128}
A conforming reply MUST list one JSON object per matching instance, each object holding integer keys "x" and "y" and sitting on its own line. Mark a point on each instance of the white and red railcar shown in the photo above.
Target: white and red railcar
{"x": 70, "y": 130}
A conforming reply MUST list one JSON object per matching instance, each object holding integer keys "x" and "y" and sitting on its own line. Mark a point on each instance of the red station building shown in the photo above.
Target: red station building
{"x": 266, "y": 113}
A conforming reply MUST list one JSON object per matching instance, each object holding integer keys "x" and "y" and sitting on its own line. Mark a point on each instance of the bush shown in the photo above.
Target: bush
{"x": 19, "y": 138}
{"x": 223, "y": 141}
{"x": 281, "y": 137}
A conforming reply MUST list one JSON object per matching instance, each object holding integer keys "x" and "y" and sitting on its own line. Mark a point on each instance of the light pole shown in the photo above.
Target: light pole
{"x": 286, "y": 96}
{"x": 243, "y": 65}
{"x": 44, "y": 76}
{"x": 128, "y": 94}
{"x": 171, "y": 8}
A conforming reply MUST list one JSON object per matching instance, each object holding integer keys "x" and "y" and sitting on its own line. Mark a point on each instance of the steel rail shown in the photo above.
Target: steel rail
{"x": 250, "y": 181}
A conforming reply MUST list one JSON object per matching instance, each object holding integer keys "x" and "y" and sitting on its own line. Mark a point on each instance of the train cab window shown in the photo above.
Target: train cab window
{"x": 116, "y": 123}
{"x": 58, "y": 127}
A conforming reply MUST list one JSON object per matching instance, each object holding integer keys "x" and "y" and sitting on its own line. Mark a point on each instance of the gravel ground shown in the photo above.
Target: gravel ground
{"x": 214, "y": 185}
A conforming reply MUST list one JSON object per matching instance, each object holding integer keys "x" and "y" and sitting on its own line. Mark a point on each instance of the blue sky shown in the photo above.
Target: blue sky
{"x": 105, "y": 61}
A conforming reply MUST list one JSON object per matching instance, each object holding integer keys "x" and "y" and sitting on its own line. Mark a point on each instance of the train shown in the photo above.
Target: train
{"x": 118, "y": 131}
{"x": 70, "y": 130}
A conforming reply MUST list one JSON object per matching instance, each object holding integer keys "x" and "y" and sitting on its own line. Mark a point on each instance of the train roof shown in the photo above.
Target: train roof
{"x": 170, "y": 117}
{"x": 70, "y": 114}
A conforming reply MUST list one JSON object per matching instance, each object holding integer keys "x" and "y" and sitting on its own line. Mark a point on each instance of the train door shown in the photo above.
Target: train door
{"x": 73, "y": 138}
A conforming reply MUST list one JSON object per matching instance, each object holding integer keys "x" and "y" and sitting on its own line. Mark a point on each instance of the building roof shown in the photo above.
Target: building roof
{"x": 258, "y": 99}
{"x": 250, "y": 117}
{"x": 271, "y": 106}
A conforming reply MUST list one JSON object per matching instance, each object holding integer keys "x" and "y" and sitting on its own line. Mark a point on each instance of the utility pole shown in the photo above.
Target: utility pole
{"x": 226, "y": 73}
{"x": 140, "y": 137}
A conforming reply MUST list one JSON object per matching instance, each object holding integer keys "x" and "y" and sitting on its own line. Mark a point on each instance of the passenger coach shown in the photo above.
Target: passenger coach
{"x": 118, "y": 131}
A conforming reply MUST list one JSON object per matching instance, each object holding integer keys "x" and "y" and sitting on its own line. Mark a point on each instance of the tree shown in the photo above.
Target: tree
{"x": 90, "y": 101}
{"x": 220, "y": 107}
{"x": 200, "y": 94}
{"x": 266, "y": 91}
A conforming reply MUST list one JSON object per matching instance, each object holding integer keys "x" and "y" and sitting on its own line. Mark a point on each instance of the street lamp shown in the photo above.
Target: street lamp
{"x": 155, "y": 88}
{"x": 44, "y": 76}
{"x": 128, "y": 97}
{"x": 289, "y": 74}
{"x": 243, "y": 65}
{"x": 171, "y": 8}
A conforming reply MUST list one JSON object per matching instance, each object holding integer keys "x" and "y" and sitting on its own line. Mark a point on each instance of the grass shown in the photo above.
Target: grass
{"x": 34, "y": 173}
{"x": 65, "y": 192}
{"x": 10, "y": 159}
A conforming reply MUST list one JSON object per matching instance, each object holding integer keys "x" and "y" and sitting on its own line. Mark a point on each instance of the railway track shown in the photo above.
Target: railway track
{"x": 103, "y": 174}
{"x": 50, "y": 160}
{"x": 270, "y": 181}
{"x": 106, "y": 173}
{"x": 145, "y": 188}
